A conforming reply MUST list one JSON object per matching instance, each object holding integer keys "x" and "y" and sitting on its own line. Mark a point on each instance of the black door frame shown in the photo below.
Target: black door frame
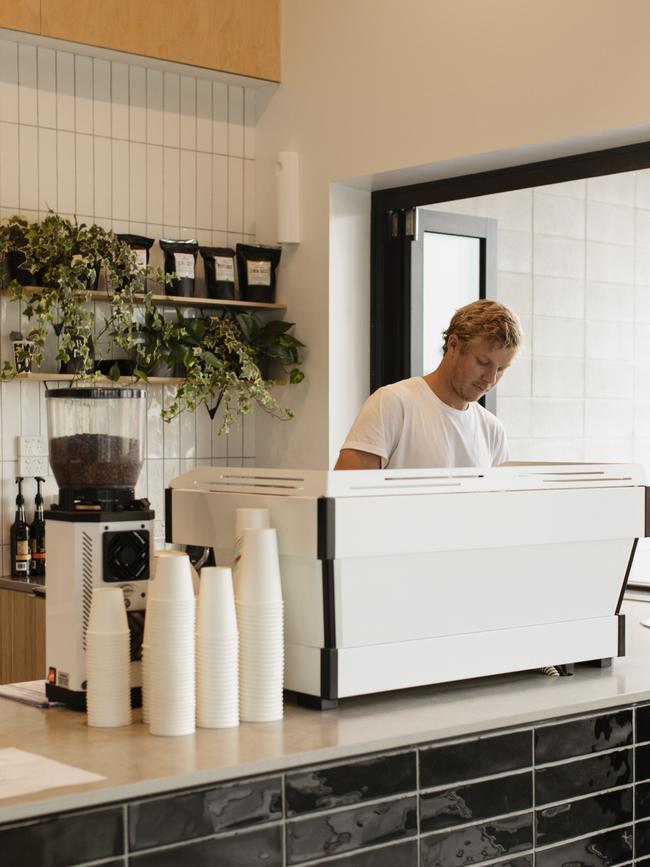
{"x": 390, "y": 238}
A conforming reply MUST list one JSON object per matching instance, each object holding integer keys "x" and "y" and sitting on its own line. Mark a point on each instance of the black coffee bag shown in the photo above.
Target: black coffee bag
{"x": 256, "y": 267}
{"x": 180, "y": 259}
{"x": 219, "y": 267}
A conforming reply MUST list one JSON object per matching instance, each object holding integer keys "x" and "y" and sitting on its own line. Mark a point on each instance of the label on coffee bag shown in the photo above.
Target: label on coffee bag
{"x": 224, "y": 268}
{"x": 184, "y": 265}
{"x": 259, "y": 272}
{"x": 141, "y": 258}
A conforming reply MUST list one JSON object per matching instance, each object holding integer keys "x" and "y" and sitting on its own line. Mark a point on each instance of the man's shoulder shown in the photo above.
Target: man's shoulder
{"x": 403, "y": 387}
{"x": 486, "y": 417}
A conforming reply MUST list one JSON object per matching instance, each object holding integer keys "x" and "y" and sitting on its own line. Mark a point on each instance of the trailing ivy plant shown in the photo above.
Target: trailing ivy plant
{"x": 64, "y": 257}
{"x": 219, "y": 356}
{"x": 219, "y": 365}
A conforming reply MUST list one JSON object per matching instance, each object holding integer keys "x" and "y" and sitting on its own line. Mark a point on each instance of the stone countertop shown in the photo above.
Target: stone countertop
{"x": 135, "y": 763}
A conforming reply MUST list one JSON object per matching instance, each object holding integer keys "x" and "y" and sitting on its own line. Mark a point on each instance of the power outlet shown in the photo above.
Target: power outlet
{"x": 32, "y": 446}
{"x": 29, "y": 465}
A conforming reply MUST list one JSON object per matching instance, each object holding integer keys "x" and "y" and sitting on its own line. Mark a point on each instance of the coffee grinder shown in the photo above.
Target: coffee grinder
{"x": 98, "y": 534}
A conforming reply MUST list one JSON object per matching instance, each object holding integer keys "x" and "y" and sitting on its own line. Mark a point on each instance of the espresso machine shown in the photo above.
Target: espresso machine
{"x": 400, "y": 578}
{"x": 98, "y": 534}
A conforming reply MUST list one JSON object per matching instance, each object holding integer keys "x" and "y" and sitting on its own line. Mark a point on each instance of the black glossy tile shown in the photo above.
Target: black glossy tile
{"x": 642, "y": 760}
{"x": 479, "y": 757}
{"x": 352, "y": 783}
{"x": 475, "y": 801}
{"x": 582, "y": 736}
{"x": 642, "y": 839}
{"x": 478, "y": 842}
{"x": 323, "y": 835}
{"x": 61, "y": 841}
{"x": 563, "y": 821}
{"x": 644, "y": 862}
{"x": 599, "y": 850}
{"x": 643, "y": 723}
{"x": 262, "y": 846}
{"x": 396, "y": 855}
{"x": 203, "y": 812}
{"x": 643, "y": 800}
{"x": 561, "y": 782}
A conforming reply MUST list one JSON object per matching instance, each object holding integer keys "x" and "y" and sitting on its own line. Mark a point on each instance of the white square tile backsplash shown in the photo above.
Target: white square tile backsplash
{"x": 133, "y": 149}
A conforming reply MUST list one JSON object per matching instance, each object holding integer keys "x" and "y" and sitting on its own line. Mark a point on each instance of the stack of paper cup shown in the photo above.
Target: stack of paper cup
{"x": 217, "y": 678}
{"x": 246, "y": 519}
{"x": 170, "y": 624}
{"x": 260, "y": 620}
{"x": 108, "y": 672}
{"x": 161, "y": 552}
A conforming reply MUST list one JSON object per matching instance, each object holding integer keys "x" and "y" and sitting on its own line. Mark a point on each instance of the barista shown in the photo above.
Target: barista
{"x": 435, "y": 420}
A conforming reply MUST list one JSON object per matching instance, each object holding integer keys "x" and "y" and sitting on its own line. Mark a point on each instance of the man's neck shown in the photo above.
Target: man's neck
{"x": 439, "y": 384}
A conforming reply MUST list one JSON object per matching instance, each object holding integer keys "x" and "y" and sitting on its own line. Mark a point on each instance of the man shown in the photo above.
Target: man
{"x": 435, "y": 420}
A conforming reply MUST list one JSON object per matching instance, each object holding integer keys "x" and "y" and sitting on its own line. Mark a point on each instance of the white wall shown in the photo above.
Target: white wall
{"x": 386, "y": 93}
{"x": 137, "y": 150}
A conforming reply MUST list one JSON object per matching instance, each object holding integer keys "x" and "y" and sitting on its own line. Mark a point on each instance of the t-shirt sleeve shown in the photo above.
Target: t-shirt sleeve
{"x": 376, "y": 429}
{"x": 501, "y": 453}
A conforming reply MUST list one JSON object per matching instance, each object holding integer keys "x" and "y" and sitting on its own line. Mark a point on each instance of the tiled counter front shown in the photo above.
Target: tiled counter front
{"x": 573, "y": 792}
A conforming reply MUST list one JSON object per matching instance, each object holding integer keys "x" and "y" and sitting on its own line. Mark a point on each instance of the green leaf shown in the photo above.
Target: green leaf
{"x": 114, "y": 372}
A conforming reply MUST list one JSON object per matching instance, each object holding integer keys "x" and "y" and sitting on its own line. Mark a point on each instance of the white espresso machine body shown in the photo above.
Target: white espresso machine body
{"x": 395, "y": 579}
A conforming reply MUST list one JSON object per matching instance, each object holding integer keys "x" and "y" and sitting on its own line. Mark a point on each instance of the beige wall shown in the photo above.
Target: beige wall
{"x": 374, "y": 86}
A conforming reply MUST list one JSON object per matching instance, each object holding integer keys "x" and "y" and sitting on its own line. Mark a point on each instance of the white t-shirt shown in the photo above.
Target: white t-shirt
{"x": 408, "y": 426}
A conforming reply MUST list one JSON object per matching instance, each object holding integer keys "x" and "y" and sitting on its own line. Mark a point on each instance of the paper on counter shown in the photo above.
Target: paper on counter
{"x": 31, "y": 692}
{"x": 22, "y": 772}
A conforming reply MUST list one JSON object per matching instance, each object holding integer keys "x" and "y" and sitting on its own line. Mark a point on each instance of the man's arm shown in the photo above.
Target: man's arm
{"x": 354, "y": 459}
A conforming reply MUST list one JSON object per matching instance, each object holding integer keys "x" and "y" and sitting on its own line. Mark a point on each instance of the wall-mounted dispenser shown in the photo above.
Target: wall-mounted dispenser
{"x": 288, "y": 174}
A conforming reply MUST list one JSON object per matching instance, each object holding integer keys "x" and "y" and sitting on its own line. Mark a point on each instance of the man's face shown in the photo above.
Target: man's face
{"x": 475, "y": 366}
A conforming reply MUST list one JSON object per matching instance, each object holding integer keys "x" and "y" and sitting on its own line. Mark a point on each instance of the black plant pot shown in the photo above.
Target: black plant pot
{"x": 15, "y": 259}
{"x": 75, "y": 363}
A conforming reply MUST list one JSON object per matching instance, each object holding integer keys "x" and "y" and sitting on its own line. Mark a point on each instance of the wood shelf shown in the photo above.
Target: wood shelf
{"x": 102, "y": 380}
{"x": 180, "y": 300}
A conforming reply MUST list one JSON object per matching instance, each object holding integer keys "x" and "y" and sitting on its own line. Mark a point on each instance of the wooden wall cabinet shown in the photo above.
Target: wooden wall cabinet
{"x": 22, "y": 636}
{"x": 23, "y": 15}
{"x": 236, "y": 36}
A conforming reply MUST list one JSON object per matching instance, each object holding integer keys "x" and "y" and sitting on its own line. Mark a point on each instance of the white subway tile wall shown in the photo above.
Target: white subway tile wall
{"x": 574, "y": 260}
{"x": 136, "y": 150}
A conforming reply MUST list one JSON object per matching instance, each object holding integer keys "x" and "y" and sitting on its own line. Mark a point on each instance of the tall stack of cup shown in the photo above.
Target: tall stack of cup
{"x": 260, "y": 620}
{"x": 217, "y": 667}
{"x": 171, "y": 703}
{"x": 108, "y": 663}
{"x": 145, "y": 655}
{"x": 246, "y": 519}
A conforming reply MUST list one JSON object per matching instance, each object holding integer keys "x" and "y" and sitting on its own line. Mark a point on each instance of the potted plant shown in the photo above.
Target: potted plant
{"x": 68, "y": 255}
{"x": 219, "y": 364}
{"x": 271, "y": 342}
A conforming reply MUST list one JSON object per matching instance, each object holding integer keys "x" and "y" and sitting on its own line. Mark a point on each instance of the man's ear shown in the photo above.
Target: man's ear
{"x": 453, "y": 343}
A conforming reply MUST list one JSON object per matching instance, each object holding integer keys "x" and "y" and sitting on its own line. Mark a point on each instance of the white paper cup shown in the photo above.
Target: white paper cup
{"x": 108, "y": 674}
{"x": 258, "y": 581}
{"x": 107, "y": 611}
{"x": 216, "y": 607}
{"x": 246, "y": 519}
{"x": 173, "y": 581}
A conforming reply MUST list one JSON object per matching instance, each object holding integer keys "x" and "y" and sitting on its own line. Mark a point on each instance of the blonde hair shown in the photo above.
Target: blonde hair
{"x": 488, "y": 320}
